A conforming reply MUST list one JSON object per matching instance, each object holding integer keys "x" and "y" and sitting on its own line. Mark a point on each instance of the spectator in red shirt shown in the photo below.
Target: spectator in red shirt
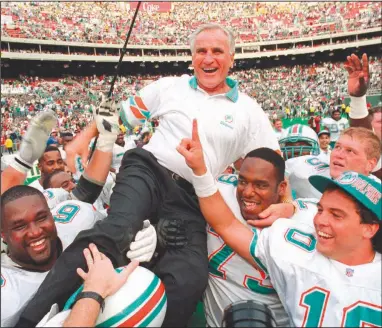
{"x": 314, "y": 121}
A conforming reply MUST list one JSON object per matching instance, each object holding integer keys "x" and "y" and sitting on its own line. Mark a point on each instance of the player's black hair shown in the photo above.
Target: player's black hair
{"x": 335, "y": 109}
{"x": 17, "y": 192}
{"x": 48, "y": 179}
{"x": 48, "y": 149}
{"x": 272, "y": 157}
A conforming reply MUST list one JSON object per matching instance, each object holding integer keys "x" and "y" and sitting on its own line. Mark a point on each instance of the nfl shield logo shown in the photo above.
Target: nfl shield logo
{"x": 349, "y": 272}
{"x": 228, "y": 118}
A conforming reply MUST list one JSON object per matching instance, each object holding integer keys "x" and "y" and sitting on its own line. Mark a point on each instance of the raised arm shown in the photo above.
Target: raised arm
{"x": 358, "y": 82}
{"x": 32, "y": 147}
{"x": 216, "y": 212}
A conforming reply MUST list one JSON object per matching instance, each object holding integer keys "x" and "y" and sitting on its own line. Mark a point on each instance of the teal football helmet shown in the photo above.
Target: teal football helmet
{"x": 299, "y": 140}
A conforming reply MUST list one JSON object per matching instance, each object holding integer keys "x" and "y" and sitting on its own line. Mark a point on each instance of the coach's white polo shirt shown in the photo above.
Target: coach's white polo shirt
{"x": 230, "y": 125}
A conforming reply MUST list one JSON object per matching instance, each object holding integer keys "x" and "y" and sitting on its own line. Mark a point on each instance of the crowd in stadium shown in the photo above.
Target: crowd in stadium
{"x": 107, "y": 22}
{"x": 193, "y": 175}
{"x": 291, "y": 92}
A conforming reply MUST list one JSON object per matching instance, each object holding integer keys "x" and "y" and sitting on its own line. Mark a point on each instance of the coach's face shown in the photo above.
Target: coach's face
{"x": 212, "y": 60}
{"x": 28, "y": 229}
{"x": 257, "y": 187}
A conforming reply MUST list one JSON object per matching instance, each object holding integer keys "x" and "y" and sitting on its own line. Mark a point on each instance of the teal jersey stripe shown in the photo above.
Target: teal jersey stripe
{"x": 154, "y": 313}
{"x": 252, "y": 250}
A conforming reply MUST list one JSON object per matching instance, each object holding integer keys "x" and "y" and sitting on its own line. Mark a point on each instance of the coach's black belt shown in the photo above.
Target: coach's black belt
{"x": 182, "y": 183}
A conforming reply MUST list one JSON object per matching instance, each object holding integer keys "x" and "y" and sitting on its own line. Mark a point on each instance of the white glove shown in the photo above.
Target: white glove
{"x": 143, "y": 248}
{"x": 34, "y": 143}
{"x": 106, "y": 117}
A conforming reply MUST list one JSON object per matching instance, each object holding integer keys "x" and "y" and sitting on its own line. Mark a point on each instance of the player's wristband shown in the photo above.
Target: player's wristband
{"x": 93, "y": 295}
{"x": 204, "y": 185}
{"x": 358, "y": 107}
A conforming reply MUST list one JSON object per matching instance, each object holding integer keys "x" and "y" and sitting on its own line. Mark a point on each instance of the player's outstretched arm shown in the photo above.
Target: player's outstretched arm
{"x": 32, "y": 147}
{"x": 101, "y": 279}
{"x": 94, "y": 177}
{"x": 10, "y": 177}
{"x": 358, "y": 82}
{"x": 216, "y": 212}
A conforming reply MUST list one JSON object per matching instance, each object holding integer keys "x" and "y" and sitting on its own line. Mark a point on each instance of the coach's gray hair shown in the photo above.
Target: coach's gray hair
{"x": 206, "y": 27}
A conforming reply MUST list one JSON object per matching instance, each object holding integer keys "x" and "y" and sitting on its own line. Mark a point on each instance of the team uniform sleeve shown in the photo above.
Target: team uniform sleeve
{"x": 10, "y": 301}
{"x": 138, "y": 109}
{"x": 261, "y": 133}
{"x": 259, "y": 250}
{"x": 306, "y": 209}
{"x": 263, "y": 252}
{"x": 13, "y": 297}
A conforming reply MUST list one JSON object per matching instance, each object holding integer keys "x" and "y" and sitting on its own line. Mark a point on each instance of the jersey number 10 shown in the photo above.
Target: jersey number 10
{"x": 358, "y": 314}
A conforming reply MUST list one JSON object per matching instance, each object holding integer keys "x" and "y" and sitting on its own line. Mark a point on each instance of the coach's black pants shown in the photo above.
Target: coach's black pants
{"x": 144, "y": 189}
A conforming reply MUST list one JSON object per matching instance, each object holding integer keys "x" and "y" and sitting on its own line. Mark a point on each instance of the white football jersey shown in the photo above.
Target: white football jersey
{"x": 73, "y": 216}
{"x": 324, "y": 156}
{"x": 79, "y": 168}
{"x": 129, "y": 142}
{"x": 55, "y": 196}
{"x": 231, "y": 278}
{"x": 299, "y": 169}
{"x": 335, "y": 127}
{"x": 107, "y": 189}
{"x": 19, "y": 285}
{"x": 118, "y": 153}
{"x": 36, "y": 184}
{"x": 279, "y": 134}
{"x": 315, "y": 290}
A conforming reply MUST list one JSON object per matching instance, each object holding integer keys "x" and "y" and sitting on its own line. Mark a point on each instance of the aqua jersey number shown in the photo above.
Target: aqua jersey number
{"x": 66, "y": 213}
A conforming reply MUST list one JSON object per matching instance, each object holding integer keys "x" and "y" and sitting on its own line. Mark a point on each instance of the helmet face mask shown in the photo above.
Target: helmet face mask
{"x": 299, "y": 140}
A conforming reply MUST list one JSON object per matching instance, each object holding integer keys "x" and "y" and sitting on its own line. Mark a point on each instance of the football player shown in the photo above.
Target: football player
{"x": 357, "y": 149}
{"x": 231, "y": 278}
{"x": 299, "y": 140}
{"x": 36, "y": 236}
{"x": 335, "y": 124}
{"x": 311, "y": 262}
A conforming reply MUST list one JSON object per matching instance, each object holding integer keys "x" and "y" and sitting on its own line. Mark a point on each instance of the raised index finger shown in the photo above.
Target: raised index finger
{"x": 365, "y": 65}
{"x": 195, "y": 134}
